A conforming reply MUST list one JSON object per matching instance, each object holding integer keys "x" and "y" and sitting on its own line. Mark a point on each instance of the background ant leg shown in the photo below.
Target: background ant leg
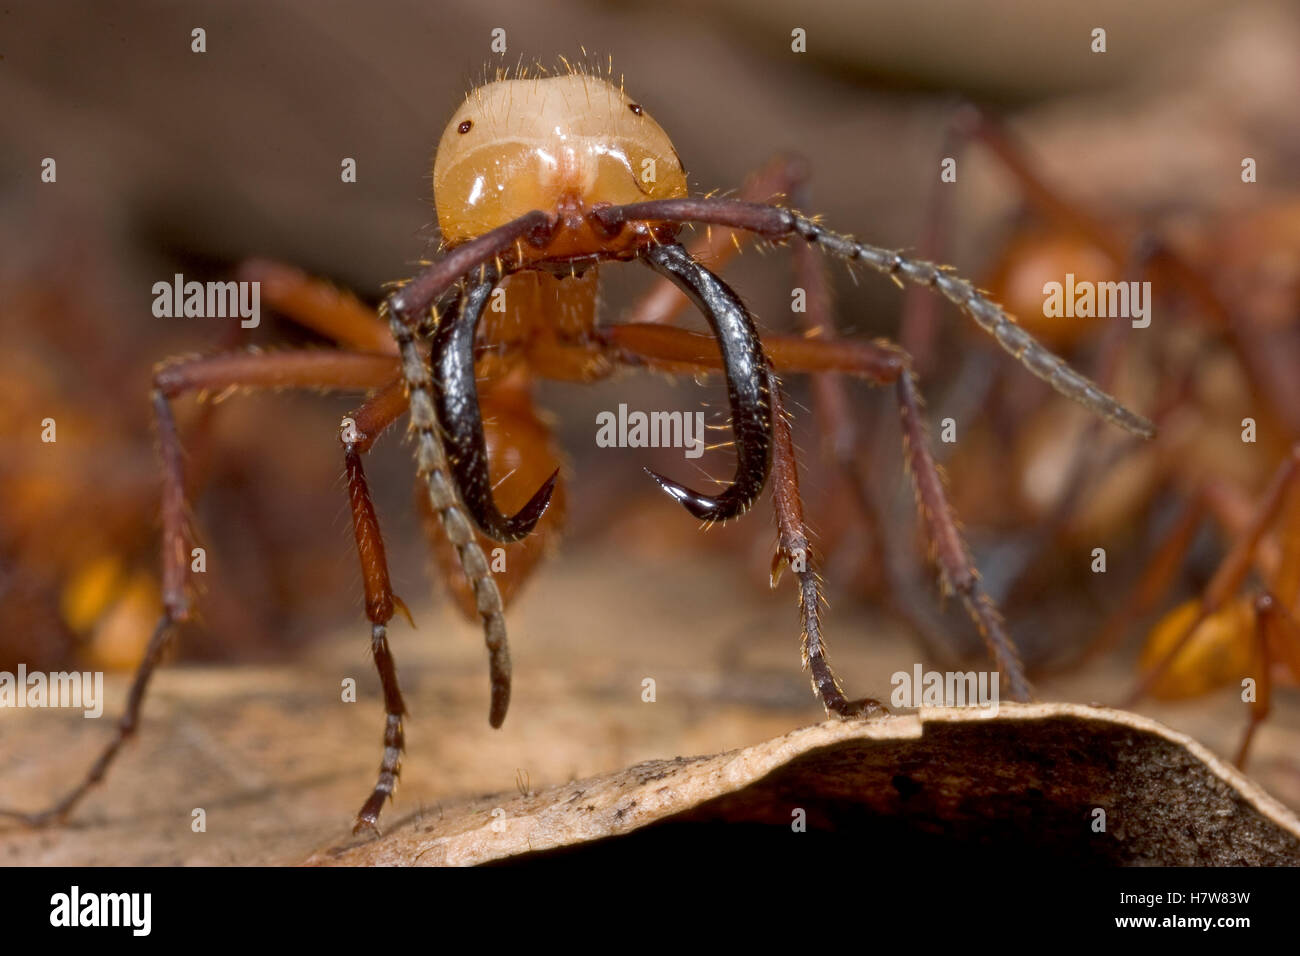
{"x": 1231, "y": 571}
{"x": 795, "y": 549}
{"x": 319, "y": 306}
{"x": 1277, "y": 634}
{"x": 358, "y": 436}
{"x": 1269, "y": 625}
{"x": 176, "y": 610}
{"x": 670, "y": 349}
{"x": 314, "y": 369}
{"x": 784, "y": 177}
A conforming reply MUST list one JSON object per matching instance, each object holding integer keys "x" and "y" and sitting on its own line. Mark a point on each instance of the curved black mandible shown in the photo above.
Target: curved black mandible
{"x": 745, "y": 366}
{"x": 455, "y": 397}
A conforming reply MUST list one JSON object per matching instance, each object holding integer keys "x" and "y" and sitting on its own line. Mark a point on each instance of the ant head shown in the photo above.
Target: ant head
{"x": 572, "y": 140}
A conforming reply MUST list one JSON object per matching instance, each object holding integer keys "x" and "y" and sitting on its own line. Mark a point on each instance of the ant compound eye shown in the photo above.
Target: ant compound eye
{"x": 635, "y": 108}
{"x": 465, "y": 127}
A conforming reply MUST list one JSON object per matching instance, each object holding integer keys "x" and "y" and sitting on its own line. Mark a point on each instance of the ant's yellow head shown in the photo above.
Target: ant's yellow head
{"x": 547, "y": 142}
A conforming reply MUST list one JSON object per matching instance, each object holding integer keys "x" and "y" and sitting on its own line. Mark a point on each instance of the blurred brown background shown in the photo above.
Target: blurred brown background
{"x": 172, "y": 161}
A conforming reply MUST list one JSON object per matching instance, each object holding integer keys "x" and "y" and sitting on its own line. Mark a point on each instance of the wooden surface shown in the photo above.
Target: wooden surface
{"x": 280, "y": 764}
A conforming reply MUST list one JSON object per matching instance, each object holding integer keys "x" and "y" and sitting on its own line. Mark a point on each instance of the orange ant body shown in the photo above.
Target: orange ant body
{"x": 538, "y": 182}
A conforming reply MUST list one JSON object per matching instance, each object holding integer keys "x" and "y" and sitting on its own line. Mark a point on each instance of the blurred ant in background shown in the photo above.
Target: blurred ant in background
{"x": 1217, "y": 366}
{"x": 79, "y": 582}
{"x": 538, "y": 181}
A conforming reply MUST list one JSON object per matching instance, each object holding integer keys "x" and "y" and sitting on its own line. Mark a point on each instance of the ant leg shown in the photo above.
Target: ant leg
{"x": 316, "y": 369}
{"x": 319, "y": 306}
{"x": 1268, "y": 361}
{"x": 1231, "y": 571}
{"x": 1270, "y": 626}
{"x": 843, "y": 444}
{"x": 957, "y": 568}
{"x": 336, "y": 314}
{"x": 776, "y": 224}
{"x": 795, "y": 550}
{"x": 432, "y": 469}
{"x": 784, "y": 176}
{"x": 1277, "y": 633}
{"x": 522, "y": 452}
{"x": 296, "y": 368}
{"x": 408, "y": 311}
{"x": 675, "y": 349}
{"x": 358, "y": 434}
{"x": 176, "y": 610}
